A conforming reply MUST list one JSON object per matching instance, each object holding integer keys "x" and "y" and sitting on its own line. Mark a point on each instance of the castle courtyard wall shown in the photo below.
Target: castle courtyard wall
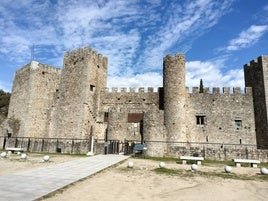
{"x": 228, "y": 116}
{"x": 71, "y": 111}
{"x": 119, "y": 103}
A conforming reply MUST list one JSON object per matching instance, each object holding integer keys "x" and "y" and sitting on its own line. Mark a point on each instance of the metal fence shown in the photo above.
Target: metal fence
{"x": 218, "y": 151}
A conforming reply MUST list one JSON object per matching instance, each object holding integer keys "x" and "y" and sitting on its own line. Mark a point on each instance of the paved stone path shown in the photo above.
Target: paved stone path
{"x": 35, "y": 183}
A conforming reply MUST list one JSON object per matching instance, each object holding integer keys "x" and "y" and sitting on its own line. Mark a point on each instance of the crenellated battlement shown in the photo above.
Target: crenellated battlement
{"x": 255, "y": 62}
{"x": 175, "y": 57}
{"x": 133, "y": 90}
{"x": 218, "y": 90}
{"x": 85, "y": 53}
{"x": 73, "y": 103}
{"x": 34, "y": 65}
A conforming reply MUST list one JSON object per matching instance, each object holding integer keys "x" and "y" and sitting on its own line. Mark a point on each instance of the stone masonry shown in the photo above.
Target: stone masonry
{"x": 74, "y": 103}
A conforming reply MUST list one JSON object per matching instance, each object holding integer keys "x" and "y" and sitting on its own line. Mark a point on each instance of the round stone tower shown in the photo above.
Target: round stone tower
{"x": 174, "y": 97}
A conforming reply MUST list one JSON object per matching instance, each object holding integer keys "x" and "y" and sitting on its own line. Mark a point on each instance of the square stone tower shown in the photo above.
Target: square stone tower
{"x": 83, "y": 76}
{"x": 33, "y": 90}
{"x": 256, "y": 76}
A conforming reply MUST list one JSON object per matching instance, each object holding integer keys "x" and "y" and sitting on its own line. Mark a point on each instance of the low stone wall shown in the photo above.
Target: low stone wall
{"x": 212, "y": 151}
{"x": 52, "y": 145}
{"x": 219, "y": 151}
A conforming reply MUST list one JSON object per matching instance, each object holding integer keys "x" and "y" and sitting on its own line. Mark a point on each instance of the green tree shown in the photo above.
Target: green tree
{"x": 201, "y": 87}
{"x": 4, "y": 102}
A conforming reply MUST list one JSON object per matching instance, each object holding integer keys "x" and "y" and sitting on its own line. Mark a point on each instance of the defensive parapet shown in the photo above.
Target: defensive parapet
{"x": 85, "y": 53}
{"x": 33, "y": 91}
{"x": 130, "y": 96}
{"x": 256, "y": 76}
{"x": 129, "y": 90}
{"x": 34, "y": 65}
{"x": 224, "y": 90}
{"x": 174, "y": 97}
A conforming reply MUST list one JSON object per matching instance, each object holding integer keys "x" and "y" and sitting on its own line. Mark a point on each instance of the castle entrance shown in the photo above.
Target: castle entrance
{"x": 128, "y": 133}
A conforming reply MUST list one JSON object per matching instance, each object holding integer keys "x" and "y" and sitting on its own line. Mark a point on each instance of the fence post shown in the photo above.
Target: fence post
{"x": 42, "y": 145}
{"x": 16, "y": 142}
{"x": 72, "y": 146}
{"x": 28, "y": 144}
{"x": 204, "y": 151}
{"x": 4, "y": 143}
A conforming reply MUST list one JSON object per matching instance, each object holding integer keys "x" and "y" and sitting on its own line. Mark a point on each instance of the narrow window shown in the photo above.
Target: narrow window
{"x": 238, "y": 123}
{"x": 200, "y": 120}
{"x": 106, "y": 115}
{"x": 92, "y": 88}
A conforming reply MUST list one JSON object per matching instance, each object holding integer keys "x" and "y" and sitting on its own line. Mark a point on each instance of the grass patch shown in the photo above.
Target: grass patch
{"x": 167, "y": 171}
{"x": 264, "y": 165}
{"x": 55, "y": 154}
{"x": 126, "y": 169}
{"x": 189, "y": 173}
{"x": 208, "y": 162}
{"x": 163, "y": 159}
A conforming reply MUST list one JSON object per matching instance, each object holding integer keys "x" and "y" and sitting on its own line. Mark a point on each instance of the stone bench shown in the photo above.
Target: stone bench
{"x": 252, "y": 162}
{"x": 192, "y": 158}
{"x": 15, "y": 149}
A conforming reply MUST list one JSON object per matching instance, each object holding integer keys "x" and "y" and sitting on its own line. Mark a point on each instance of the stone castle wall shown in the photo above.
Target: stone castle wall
{"x": 119, "y": 103}
{"x": 83, "y": 76}
{"x": 19, "y": 100}
{"x": 32, "y": 98}
{"x": 220, "y": 108}
{"x": 228, "y": 117}
{"x": 73, "y": 103}
{"x": 174, "y": 97}
{"x": 256, "y": 73}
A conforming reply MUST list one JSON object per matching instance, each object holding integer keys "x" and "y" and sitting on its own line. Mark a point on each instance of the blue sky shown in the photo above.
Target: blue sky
{"x": 217, "y": 37}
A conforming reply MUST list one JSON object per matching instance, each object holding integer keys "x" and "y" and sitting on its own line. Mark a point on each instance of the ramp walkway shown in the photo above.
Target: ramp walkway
{"x": 35, "y": 183}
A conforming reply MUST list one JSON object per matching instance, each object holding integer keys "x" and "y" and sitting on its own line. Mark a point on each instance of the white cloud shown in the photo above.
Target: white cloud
{"x": 185, "y": 22}
{"x": 209, "y": 72}
{"x": 140, "y": 80}
{"x": 72, "y": 24}
{"x": 247, "y": 38}
{"x": 134, "y": 36}
{"x": 24, "y": 24}
{"x": 212, "y": 76}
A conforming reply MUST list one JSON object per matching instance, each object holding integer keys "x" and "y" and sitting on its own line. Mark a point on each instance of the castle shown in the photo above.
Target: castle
{"x": 57, "y": 107}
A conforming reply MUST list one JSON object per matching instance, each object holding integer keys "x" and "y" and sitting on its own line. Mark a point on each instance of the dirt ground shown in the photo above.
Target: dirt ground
{"x": 142, "y": 182}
